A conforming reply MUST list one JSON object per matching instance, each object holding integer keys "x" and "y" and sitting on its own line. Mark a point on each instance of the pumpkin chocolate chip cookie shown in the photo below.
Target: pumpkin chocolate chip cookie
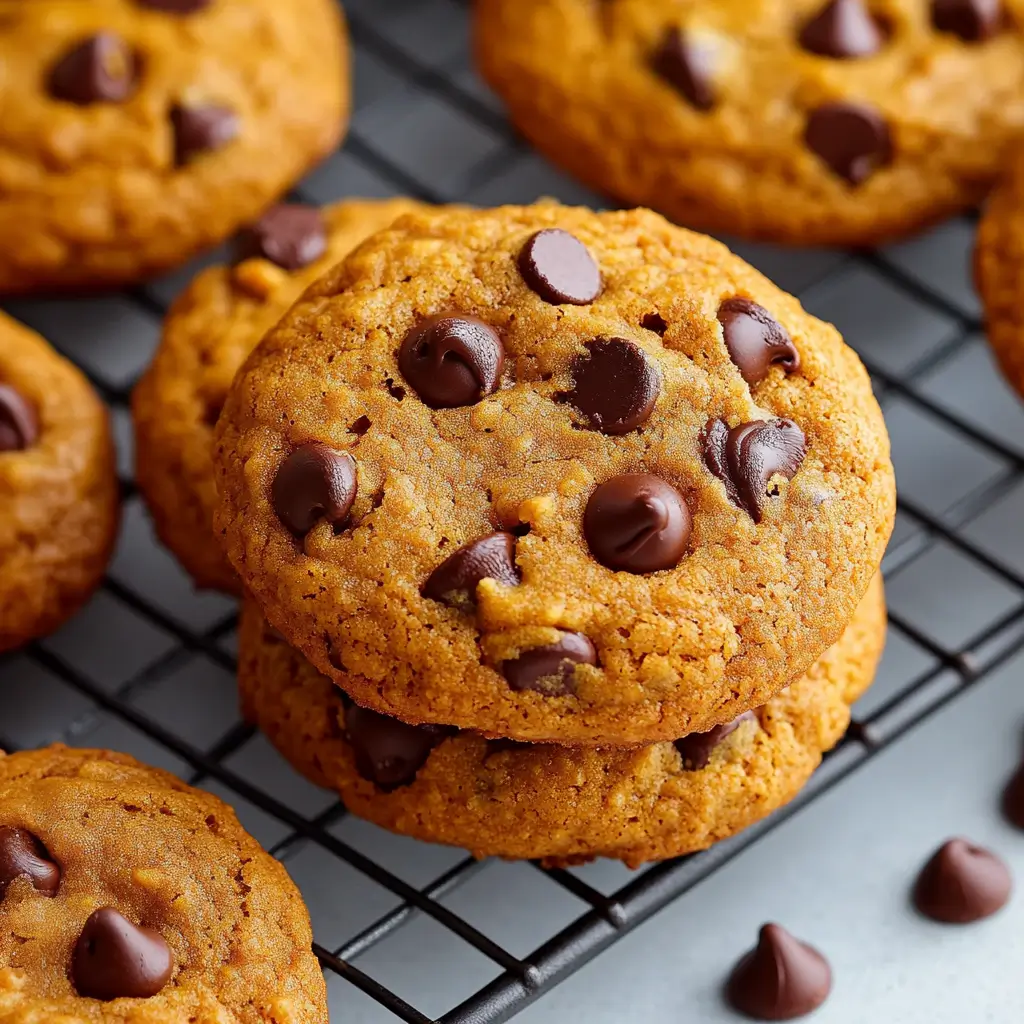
{"x": 555, "y": 476}
{"x": 804, "y": 121}
{"x": 211, "y": 328}
{"x": 134, "y": 133}
{"x": 561, "y": 805}
{"x": 58, "y": 488}
{"x": 126, "y": 896}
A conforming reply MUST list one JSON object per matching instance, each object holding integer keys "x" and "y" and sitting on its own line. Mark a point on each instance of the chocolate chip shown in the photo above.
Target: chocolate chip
{"x": 201, "y": 129}
{"x": 1013, "y": 799}
{"x": 637, "y": 523}
{"x": 315, "y": 482}
{"x": 100, "y": 69}
{"x": 175, "y": 6}
{"x": 654, "y": 322}
{"x": 19, "y": 427}
{"x": 388, "y": 752}
{"x": 972, "y": 20}
{"x": 962, "y": 883}
{"x": 697, "y": 748}
{"x": 851, "y": 138}
{"x": 115, "y": 959}
{"x": 452, "y": 361}
{"x": 755, "y": 340}
{"x": 559, "y": 268}
{"x": 843, "y": 29}
{"x": 550, "y": 669}
{"x": 615, "y": 385}
{"x": 455, "y": 580}
{"x": 22, "y": 855}
{"x": 687, "y": 67}
{"x": 291, "y": 235}
{"x": 746, "y": 458}
{"x": 782, "y": 978}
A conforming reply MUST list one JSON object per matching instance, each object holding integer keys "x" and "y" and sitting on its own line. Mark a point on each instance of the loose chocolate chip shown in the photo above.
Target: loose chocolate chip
{"x": 746, "y": 457}
{"x": 843, "y": 29}
{"x": 388, "y": 752}
{"x": 962, "y": 883}
{"x": 972, "y": 20}
{"x": 114, "y": 959}
{"x": 19, "y": 427}
{"x": 1013, "y": 799}
{"x": 637, "y": 523}
{"x": 614, "y": 385}
{"x": 559, "y": 268}
{"x": 201, "y": 129}
{"x": 176, "y": 6}
{"x": 291, "y": 235}
{"x": 100, "y": 69}
{"x": 22, "y": 855}
{"x": 782, "y": 978}
{"x": 455, "y": 580}
{"x": 755, "y": 340}
{"x": 550, "y": 669}
{"x": 686, "y": 66}
{"x": 697, "y": 748}
{"x": 315, "y": 482}
{"x": 851, "y": 138}
{"x": 452, "y": 361}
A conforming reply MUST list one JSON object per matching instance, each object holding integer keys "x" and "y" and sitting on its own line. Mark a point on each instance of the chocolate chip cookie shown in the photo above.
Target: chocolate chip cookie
{"x": 211, "y": 328}
{"x": 134, "y": 133}
{"x": 58, "y": 488}
{"x": 126, "y": 896}
{"x": 809, "y": 121}
{"x": 554, "y": 475}
{"x": 499, "y": 798}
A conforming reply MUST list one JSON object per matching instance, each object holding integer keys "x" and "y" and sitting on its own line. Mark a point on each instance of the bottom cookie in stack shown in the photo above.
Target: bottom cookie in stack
{"x": 558, "y": 804}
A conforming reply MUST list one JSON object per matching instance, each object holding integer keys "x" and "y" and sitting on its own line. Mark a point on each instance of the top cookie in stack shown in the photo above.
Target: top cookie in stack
{"x": 554, "y": 475}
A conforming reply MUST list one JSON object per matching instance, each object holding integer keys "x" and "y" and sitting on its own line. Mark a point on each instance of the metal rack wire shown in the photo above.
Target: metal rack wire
{"x": 391, "y": 48}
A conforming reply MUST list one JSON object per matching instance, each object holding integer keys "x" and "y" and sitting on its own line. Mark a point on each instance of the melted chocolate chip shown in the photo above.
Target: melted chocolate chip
{"x": 22, "y": 855}
{"x": 455, "y": 580}
{"x": 291, "y": 235}
{"x": 962, "y": 883}
{"x": 388, "y": 752}
{"x": 697, "y": 748}
{"x": 19, "y": 427}
{"x": 843, "y": 29}
{"x": 782, "y": 978}
{"x": 637, "y": 523}
{"x": 115, "y": 959}
{"x": 452, "y": 360}
{"x": 755, "y": 340}
{"x": 746, "y": 457}
{"x": 201, "y": 129}
{"x": 973, "y": 21}
{"x": 315, "y": 482}
{"x": 559, "y": 268}
{"x": 615, "y": 385}
{"x": 851, "y": 138}
{"x": 687, "y": 67}
{"x": 550, "y": 669}
{"x": 100, "y": 69}
{"x": 175, "y": 6}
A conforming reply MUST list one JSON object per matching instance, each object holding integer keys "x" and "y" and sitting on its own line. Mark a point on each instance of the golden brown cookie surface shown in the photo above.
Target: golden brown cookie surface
{"x": 211, "y": 328}
{"x": 134, "y": 133}
{"x": 542, "y": 801}
{"x": 58, "y": 489}
{"x": 688, "y": 477}
{"x": 127, "y": 896}
{"x": 805, "y": 121}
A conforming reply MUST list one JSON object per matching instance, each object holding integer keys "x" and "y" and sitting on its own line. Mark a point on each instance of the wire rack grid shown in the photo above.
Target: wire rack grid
{"x": 417, "y": 933}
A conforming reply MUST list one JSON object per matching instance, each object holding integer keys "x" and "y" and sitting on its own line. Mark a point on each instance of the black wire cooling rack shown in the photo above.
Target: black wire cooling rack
{"x": 425, "y": 126}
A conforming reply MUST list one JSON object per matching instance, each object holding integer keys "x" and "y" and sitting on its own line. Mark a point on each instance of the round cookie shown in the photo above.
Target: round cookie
{"x": 498, "y": 798}
{"x": 554, "y": 475}
{"x": 128, "y": 897}
{"x": 842, "y": 122}
{"x": 208, "y": 332}
{"x": 59, "y": 502}
{"x": 134, "y": 133}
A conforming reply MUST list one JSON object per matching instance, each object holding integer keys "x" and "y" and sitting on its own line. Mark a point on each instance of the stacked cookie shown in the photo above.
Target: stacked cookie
{"x": 559, "y": 530}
